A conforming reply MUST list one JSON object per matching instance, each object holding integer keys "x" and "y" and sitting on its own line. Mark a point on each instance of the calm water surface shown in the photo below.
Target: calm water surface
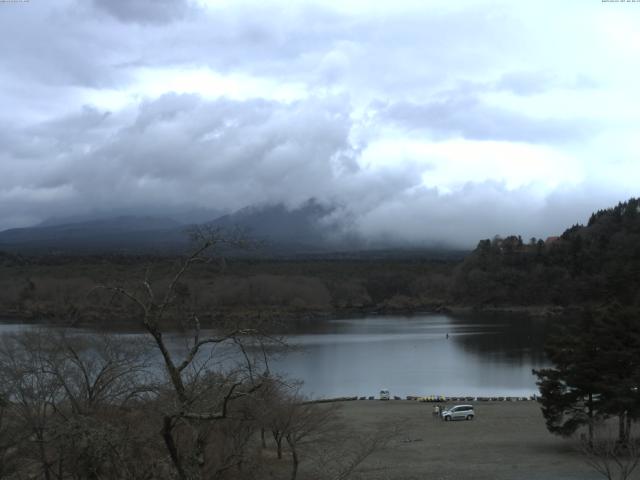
{"x": 482, "y": 356}
{"x": 417, "y": 355}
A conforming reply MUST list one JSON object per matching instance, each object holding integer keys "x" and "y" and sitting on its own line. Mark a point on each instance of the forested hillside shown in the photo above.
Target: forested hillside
{"x": 590, "y": 264}
{"x": 587, "y": 264}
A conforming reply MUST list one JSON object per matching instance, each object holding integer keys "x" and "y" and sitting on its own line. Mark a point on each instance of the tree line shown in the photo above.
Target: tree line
{"x": 591, "y": 264}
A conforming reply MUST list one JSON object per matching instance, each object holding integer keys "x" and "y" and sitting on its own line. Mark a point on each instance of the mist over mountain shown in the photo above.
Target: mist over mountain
{"x": 166, "y": 214}
{"x": 303, "y": 229}
{"x": 277, "y": 228}
{"x": 118, "y": 234}
{"x": 353, "y": 106}
{"x": 123, "y": 223}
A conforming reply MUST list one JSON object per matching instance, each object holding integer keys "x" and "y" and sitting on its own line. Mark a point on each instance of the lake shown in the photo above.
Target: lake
{"x": 430, "y": 354}
{"x": 418, "y": 355}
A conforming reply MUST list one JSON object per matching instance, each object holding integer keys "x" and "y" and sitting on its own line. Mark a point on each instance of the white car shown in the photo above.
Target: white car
{"x": 459, "y": 412}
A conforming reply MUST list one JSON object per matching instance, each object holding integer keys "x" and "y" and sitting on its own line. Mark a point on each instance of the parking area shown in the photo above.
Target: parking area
{"x": 504, "y": 441}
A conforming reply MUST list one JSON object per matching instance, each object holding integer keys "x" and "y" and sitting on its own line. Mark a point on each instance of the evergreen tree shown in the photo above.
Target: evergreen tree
{"x": 570, "y": 391}
{"x": 618, "y": 334}
{"x": 596, "y": 372}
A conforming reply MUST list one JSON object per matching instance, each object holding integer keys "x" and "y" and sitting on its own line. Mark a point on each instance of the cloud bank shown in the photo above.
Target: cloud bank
{"x": 420, "y": 124}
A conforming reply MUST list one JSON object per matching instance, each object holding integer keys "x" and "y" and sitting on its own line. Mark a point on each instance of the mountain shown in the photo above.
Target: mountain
{"x": 283, "y": 229}
{"x": 175, "y": 215}
{"x": 277, "y": 228}
{"x": 119, "y": 234}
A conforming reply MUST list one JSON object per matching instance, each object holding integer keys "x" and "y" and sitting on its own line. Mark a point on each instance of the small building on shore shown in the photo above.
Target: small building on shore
{"x": 551, "y": 240}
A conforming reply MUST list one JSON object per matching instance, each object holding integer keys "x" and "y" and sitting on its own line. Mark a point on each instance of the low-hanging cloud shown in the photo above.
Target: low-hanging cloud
{"x": 183, "y": 151}
{"x": 478, "y": 211}
{"x": 470, "y": 118}
{"x": 180, "y": 149}
{"x": 402, "y": 117}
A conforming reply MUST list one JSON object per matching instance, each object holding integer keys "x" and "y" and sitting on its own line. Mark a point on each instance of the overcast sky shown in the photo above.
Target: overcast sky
{"x": 422, "y": 120}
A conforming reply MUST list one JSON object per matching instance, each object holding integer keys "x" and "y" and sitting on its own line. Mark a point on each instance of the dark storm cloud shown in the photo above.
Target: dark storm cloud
{"x": 178, "y": 149}
{"x": 471, "y": 118}
{"x": 387, "y": 53}
{"x": 183, "y": 151}
{"x": 144, "y": 11}
{"x": 72, "y": 44}
{"x": 288, "y": 42}
{"x": 80, "y": 128}
{"x": 433, "y": 73}
{"x": 56, "y": 46}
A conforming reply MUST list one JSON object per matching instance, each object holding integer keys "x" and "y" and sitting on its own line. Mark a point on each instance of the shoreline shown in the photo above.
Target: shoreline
{"x": 427, "y": 399}
{"x": 536, "y": 311}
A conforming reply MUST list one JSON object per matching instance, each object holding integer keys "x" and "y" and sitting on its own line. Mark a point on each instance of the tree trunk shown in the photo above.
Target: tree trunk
{"x": 277, "y": 436}
{"x": 295, "y": 461}
{"x": 621, "y": 428}
{"x": 172, "y": 370}
{"x": 590, "y": 407}
{"x": 43, "y": 457}
{"x": 199, "y": 453}
{"x": 167, "y": 435}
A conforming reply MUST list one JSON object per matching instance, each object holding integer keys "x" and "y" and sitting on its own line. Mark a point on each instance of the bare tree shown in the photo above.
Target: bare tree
{"x": 98, "y": 370}
{"x": 339, "y": 454}
{"x": 314, "y": 435}
{"x": 612, "y": 459}
{"x": 278, "y": 411}
{"x": 33, "y": 395}
{"x": 7, "y": 436}
{"x": 194, "y": 400}
{"x": 307, "y": 422}
{"x": 65, "y": 400}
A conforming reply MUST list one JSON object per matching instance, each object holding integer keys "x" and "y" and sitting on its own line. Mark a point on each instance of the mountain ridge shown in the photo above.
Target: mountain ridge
{"x": 276, "y": 226}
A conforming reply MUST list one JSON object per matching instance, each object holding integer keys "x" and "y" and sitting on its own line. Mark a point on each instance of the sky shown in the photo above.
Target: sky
{"x": 419, "y": 121}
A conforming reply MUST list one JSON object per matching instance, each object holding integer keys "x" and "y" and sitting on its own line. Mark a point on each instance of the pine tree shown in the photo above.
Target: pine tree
{"x": 596, "y": 372}
{"x": 618, "y": 333}
{"x": 570, "y": 392}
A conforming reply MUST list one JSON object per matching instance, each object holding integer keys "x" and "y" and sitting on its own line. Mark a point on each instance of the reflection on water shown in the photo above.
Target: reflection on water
{"x": 418, "y": 355}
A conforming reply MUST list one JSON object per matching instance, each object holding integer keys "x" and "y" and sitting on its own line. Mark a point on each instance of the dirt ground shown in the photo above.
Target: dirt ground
{"x": 506, "y": 440}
